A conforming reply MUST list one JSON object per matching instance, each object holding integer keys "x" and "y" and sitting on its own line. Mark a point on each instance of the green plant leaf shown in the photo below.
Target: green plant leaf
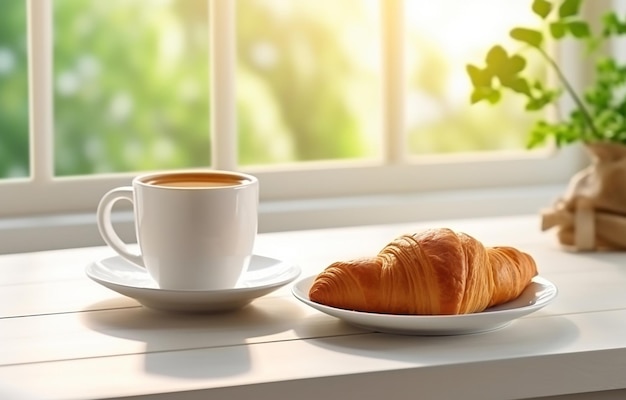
{"x": 538, "y": 134}
{"x": 532, "y": 37}
{"x": 609, "y": 22}
{"x": 505, "y": 68}
{"x": 485, "y": 93}
{"x": 579, "y": 29}
{"x": 519, "y": 85}
{"x": 612, "y": 25}
{"x": 496, "y": 56}
{"x": 516, "y": 63}
{"x": 508, "y": 74}
{"x": 542, "y": 99}
{"x": 569, "y": 8}
{"x": 479, "y": 77}
{"x": 557, "y": 29}
{"x": 534, "y": 104}
{"x": 542, "y": 8}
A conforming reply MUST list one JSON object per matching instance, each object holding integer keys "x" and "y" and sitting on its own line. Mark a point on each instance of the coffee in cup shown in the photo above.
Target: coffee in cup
{"x": 195, "y": 229}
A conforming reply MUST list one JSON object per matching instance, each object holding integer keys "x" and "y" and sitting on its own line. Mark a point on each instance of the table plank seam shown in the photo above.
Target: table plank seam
{"x": 185, "y": 349}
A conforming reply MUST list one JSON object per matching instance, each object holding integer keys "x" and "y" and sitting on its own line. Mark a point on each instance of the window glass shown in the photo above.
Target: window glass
{"x": 13, "y": 90}
{"x": 131, "y": 82}
{"x": 131, "y": 88}
{"x": 308, "y": 80}
{"x": 442, "y": 38}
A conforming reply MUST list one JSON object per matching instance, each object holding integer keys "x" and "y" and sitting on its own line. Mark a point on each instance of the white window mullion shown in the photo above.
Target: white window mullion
{"x": 393, "y": 80}
{"x": 222, "y": 81}
{"x": 40, "y": 59}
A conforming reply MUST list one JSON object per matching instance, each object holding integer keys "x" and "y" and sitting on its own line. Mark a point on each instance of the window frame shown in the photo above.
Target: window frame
{"x": 308, "y": 184}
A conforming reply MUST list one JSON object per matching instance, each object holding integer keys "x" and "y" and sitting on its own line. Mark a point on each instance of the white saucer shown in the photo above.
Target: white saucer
{"x": 263, "y": 276}
{"x": 537, "y": 295}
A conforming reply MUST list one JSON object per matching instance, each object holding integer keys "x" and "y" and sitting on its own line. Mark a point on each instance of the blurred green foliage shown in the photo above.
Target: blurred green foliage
{"x": 132, "y": 90}
{"x": 300, "y": 60}
{"x": 132, "y": 87}
{"x": 13, "y": 90}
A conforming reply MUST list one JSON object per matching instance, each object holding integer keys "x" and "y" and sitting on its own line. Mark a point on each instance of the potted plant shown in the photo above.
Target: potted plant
{"x": 591, "y": 215}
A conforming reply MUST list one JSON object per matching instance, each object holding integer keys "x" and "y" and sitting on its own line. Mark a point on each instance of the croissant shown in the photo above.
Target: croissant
{"x": 434, "y": 272}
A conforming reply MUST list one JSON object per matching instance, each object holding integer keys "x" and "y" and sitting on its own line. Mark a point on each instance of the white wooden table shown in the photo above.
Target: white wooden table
{"x": 62, "y": 336}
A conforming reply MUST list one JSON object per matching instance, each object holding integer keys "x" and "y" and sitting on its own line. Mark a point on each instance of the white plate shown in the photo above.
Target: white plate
{"x": 263, "y": 276}
{"x": 537, "y": 295}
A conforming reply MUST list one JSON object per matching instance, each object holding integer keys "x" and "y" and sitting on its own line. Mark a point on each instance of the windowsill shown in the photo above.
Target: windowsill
{"x": 47, "y": 232}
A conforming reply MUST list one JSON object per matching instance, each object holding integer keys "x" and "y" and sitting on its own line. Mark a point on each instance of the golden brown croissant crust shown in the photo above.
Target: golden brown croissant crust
{"x": 433, "y": 272}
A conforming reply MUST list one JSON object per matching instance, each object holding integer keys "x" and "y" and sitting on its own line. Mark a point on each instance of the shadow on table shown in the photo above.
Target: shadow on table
{"x": 518, "y": 339}
{"x": 192, "y": 346}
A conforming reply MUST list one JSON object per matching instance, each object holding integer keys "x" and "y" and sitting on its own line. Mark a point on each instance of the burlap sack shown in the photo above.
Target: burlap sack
{"x": 591, "y": 215}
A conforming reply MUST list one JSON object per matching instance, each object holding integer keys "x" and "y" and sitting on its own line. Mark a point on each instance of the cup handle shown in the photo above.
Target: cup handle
{"x": 105, "y": 226}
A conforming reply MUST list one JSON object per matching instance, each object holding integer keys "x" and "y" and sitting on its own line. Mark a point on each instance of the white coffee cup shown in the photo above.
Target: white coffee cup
{"x": 195, "y": 229}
